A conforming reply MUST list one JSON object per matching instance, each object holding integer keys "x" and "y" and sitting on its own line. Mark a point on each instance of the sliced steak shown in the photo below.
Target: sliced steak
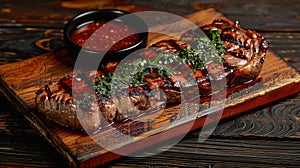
{"x": 243, "y": 59}
{"x": 56, "y": 101}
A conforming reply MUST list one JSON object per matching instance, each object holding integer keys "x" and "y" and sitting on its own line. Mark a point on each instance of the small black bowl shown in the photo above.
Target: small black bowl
{"x": 105, "y": 15}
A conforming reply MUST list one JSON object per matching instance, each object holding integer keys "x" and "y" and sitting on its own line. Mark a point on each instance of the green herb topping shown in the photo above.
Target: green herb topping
{"x": 38, "y": 92}
{"x": 132, "y": 74}
{"x": 215, "y": 37}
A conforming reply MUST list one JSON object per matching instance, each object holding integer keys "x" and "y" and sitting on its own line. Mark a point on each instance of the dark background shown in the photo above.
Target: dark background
{"x": 267, "y": 137}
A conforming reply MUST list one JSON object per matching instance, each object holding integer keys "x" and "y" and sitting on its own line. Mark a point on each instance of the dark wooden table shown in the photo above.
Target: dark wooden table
{"x": 266, "y": 137}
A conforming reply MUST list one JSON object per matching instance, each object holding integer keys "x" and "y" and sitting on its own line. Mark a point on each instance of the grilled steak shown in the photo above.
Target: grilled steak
{"x": 246, "y": 51}
{"x": 117, "y": 92}
{"x": 56, "y": 102}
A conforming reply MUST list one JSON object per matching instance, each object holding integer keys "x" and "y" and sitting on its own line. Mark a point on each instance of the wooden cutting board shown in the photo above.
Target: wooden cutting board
{"x": 20, "y": 81}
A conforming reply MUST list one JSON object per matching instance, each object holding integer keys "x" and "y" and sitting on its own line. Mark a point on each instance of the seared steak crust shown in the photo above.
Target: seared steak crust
{"x": 246, "y": 50}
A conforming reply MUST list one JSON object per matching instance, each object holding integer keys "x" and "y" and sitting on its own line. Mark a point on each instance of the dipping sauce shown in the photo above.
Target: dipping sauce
{"x": 111, "y": 34}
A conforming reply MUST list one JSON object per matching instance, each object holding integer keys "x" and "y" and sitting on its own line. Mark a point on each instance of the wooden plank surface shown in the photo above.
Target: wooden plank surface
{"x": 24, "y": 78}
{"x": 19, "y": 140}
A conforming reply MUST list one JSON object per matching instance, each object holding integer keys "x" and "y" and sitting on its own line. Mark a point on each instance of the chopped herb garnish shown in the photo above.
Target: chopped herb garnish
{"x": 206, "y": 50}
{"x": 215, "y": 37}
{"x": 84, "y": 101}
{"x": 38, "y": 92}
{"x": 133, "y": 74}
{"x": 57, "y": 106}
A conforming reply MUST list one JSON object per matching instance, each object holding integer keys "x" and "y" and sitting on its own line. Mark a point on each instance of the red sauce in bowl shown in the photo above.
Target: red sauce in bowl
{"x": 111, "y": 34}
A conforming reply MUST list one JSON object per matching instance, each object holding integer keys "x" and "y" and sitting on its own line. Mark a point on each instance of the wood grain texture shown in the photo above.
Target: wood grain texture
{"x": 286, "y": 45}
{"x": 80, "y": 148}
{"x": 221, "y": 153}
{"x": 284, "y": 16}
{"x": 277, "y": 121}
{"x": 22, "y": 43}
{"x": 21, "y": 145}
{"x": 261, "y": 15}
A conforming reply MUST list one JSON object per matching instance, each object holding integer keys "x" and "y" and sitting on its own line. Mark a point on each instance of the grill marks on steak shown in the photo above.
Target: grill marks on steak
{"x": 85, "y": 110}
{"x": 245, "y": 54}
{"x": 171, "y": 46}
{"x": 246, "y": 50}
{"x": 57, "y": 103}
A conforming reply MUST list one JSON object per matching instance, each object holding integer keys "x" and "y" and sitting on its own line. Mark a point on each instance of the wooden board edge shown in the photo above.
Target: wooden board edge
{"x": 228, "y": 113}
{"x": 36, "y": 123}
{"x": 287, "y": 63}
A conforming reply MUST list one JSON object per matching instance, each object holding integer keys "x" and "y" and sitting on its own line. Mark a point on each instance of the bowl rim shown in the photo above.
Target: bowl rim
{"x": 71, "y": 26}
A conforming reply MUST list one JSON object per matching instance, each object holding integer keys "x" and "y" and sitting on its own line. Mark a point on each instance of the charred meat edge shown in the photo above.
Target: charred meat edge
{"x": 246, "y": 51}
